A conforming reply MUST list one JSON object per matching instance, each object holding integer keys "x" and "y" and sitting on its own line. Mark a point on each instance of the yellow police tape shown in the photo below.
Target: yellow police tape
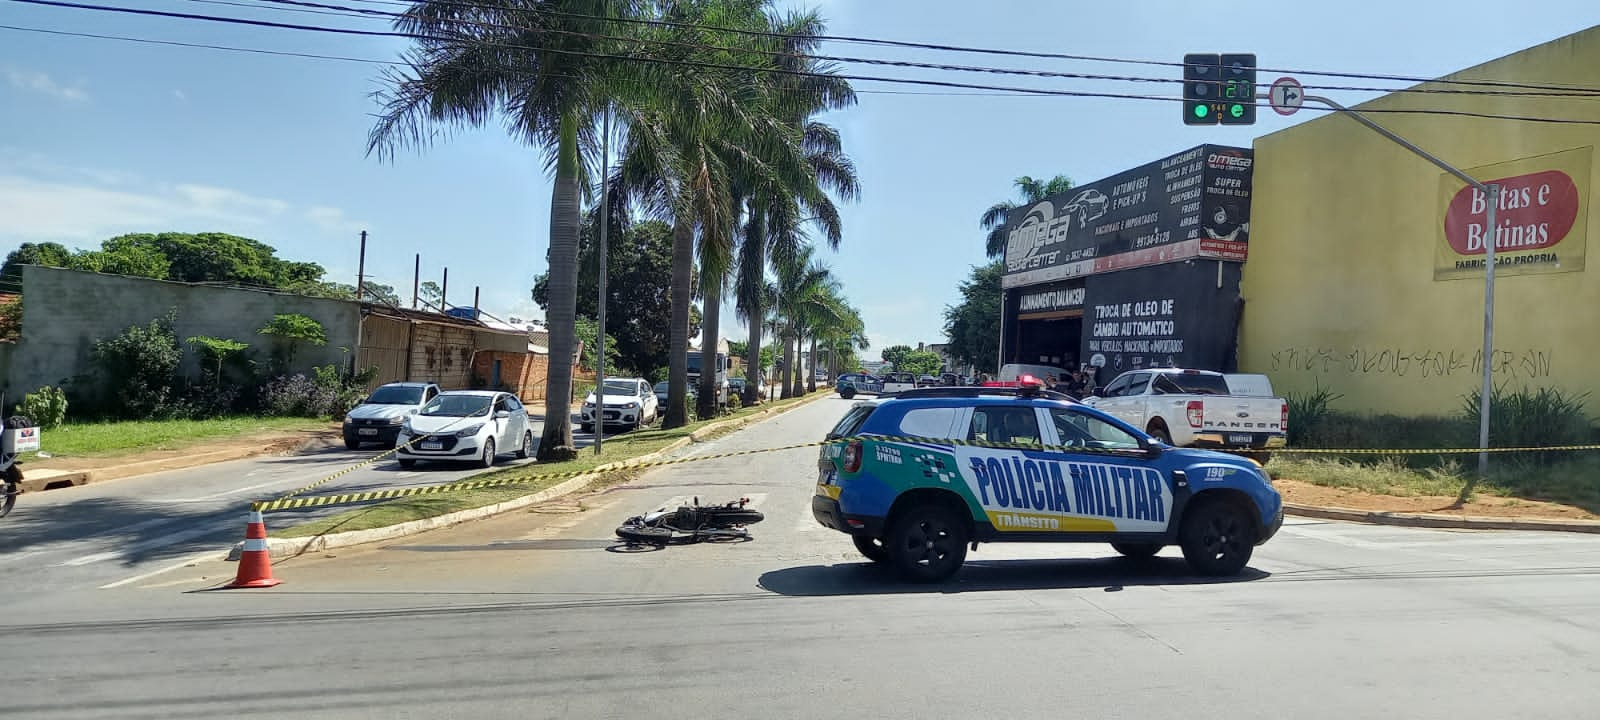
{"x": 291, "y": 502}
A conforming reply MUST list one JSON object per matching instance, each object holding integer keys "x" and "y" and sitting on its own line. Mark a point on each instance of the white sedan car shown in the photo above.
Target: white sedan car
{"x": 630, "y": 402}
{"x": 471, "y": 425}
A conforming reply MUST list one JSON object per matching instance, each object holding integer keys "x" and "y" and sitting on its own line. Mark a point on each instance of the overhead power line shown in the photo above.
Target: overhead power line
{"x": 305, "y": 6}
{"x": 1006, "y": 52}
{"x": 740, "y": 68}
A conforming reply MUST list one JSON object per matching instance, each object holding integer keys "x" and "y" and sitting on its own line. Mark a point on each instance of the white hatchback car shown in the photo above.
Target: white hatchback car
{"x": 471, "y": 425}
{"x": 630, "y": 402}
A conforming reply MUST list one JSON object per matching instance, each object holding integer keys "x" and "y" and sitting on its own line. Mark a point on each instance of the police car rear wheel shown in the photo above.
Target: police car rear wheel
{"x": 927, "y": 544}
{"x": 871, "y": 548}
{"x": 1137, "y": 550}
{"x": 847, "y": 394}
{"x": 1217, "y": 539}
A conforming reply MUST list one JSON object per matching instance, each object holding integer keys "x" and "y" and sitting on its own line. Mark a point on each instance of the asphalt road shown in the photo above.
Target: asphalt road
{"x": 535, "y": 614}
{"x": 105, "y": 533}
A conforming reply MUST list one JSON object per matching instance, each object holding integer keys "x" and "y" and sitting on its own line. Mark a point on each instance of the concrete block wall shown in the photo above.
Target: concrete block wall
{"x": 65, "y": 312}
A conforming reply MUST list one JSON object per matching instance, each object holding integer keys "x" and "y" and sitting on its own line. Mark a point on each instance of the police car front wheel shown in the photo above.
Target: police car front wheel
{"x": 1217, "y": 538}
{"x": 928, "y": 543}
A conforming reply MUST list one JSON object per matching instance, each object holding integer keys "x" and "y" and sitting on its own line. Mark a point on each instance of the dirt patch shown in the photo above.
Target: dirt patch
{"x": 271, "y": 442}
{"x": 1482, "y": 506}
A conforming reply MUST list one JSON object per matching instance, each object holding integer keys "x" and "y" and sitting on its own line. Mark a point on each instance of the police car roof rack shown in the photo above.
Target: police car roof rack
{"x": 972, "y": 392}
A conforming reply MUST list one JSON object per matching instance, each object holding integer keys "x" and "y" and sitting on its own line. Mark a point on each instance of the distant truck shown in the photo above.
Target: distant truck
{"x": 720, "y": 368}
{"x": 1199, "y": 408}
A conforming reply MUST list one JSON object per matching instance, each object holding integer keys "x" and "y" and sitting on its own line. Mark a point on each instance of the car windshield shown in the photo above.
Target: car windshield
{"x": 457, "y": 406}
{"x": 621, "y": 388}
{"x": 395, "y": 395}
{"x": 661, "y": 387}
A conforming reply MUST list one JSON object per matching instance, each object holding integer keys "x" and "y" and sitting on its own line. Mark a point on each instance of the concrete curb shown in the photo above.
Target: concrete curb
{"x": 45, "y": 478}
{"x": 1428, "y": 520}
{"x": 289, "y": 547}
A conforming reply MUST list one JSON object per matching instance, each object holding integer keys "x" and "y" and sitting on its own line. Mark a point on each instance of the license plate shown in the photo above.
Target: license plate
{"x": 433, "y": 446}
{"x": 366, "y": 431}
{"x": 1241, "y": 439}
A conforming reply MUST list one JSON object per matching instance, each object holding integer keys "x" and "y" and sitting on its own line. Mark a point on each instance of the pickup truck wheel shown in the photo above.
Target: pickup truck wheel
{"x": 871, "y": 548}
{"x": 1137, "y": 550}
{"x": 1217, "y": 539}
{"x": 927, "y": 544}
{"x": 1160, "y": 433}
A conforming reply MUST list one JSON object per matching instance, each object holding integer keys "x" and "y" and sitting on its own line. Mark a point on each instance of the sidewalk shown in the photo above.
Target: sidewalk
{"x": 55, "y": 473}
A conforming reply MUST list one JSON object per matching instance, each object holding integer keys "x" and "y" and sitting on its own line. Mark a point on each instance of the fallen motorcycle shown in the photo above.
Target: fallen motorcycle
{"x": 691, "y": 524}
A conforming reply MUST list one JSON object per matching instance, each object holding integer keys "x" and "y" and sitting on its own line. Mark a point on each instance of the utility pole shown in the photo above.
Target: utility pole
{"x": 475, "y": 290}
{"x": 1491, "y": 192}
{"x": 600, "y": 336}
{"x": 416, "y": 281}
{"x": 444, "y": 290}
{"x": 361, "y": 266}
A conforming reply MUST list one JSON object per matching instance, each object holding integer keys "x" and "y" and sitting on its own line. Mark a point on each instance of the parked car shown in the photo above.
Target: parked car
{"x": 660, "y": 391}
{"x": 629, "y": 402}
{"x": 470, "y": 425}
{"x": 378, "y": 417}
{"x": 821, "y": 376}
{"x": 1199, "y": 408}
{"x": 917, "y": 505}
{"x": 897, "y": 381}
{"x": 736, "y": 387}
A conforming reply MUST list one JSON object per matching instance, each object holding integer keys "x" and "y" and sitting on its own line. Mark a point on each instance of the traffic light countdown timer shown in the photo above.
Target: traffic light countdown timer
{"x": 1219, "y": 89}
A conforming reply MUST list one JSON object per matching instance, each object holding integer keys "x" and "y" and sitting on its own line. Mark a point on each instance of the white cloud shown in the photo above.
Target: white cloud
{"x": 179, "y": 94}
{"x": 35, "y": 81}
{"x": 62, "y": 210}
{"x": 333, "y": 221}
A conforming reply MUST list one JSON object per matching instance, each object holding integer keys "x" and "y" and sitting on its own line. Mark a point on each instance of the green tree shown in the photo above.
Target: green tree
{"x": 47, "y": 254}
{"x": 589, "y": 335}
{"x": 545, "y": 68}
{"x": 1031, "y": 190}
{"x": 919, "y": 362}
{"x": 431, "y": 294}
{"x": 803, "y": 287}
{"x": 208, "y": 257}
{"x": 290, "y": 331}
{"x": 638, "y": 306}
{"x": 894, "y": 354}
{"x": 973, "y": 325}
{"x": 139, "y": 369}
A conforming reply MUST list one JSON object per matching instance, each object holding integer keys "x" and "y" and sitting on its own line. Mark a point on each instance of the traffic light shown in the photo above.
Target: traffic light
{"x": 1201, "y": 88}
{"x": 1238, "y": 89}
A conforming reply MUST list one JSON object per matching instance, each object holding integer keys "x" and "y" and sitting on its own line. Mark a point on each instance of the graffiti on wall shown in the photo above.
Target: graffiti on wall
{"x": 1524, "y": 364}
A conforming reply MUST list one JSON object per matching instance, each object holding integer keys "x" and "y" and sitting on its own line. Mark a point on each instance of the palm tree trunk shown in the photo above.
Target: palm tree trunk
{"x": 811, "y": 376}
{"x": 799, "y": 337}
{"x": 710, "y": 318}
{"x": 678, "y": 339}
{"x": 752, "y": 280}
{"x": 556, "y": 442}
{"x": 788, "y": 366}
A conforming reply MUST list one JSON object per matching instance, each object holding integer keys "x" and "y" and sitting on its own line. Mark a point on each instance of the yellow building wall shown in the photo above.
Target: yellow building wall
{"x": 1339, "y": 288}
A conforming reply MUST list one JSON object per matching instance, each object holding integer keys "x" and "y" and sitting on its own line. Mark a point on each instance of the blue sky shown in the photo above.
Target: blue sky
{"x": 101, "y": 137}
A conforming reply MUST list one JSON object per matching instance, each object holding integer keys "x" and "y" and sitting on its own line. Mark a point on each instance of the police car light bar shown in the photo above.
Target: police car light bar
{"x": 1028, "y": 385}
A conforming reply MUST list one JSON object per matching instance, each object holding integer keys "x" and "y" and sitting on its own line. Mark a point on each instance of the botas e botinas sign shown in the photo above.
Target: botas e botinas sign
{"x": 1540, "y": 221}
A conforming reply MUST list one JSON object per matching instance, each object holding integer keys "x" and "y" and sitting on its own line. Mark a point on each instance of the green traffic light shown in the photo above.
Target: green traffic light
{"x": 1236, "y": 110}
{"x": 1201, "y": 111}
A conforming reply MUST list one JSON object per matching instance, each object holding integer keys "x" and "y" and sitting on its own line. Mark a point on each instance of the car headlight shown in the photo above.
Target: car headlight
{"x": 396, "y": 420}
{"x": 631, "y": 406}
{"x": 349, "y": 419}
{"x": 469, "y": 432}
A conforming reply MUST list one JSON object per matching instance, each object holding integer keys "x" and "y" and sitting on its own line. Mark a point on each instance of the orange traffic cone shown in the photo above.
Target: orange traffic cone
{"x": 255, "y": 563}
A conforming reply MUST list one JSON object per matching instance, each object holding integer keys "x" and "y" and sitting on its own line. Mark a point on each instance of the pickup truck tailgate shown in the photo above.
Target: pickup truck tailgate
{"x": 1243, "y": 420}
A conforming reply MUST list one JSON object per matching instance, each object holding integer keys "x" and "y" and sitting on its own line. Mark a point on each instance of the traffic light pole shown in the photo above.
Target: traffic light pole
{"x": 1491, "y": 192}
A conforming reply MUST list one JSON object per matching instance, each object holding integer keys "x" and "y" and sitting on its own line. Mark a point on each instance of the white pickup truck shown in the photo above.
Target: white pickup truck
{"x": 1200, "y": 408}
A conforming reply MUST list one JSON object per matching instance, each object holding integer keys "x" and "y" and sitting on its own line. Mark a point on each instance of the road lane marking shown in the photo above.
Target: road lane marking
{"x": 186, "y": 562}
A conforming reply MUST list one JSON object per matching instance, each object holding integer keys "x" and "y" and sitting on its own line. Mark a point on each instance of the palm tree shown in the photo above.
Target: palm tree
{"x": 1032, "y": 190}
{"x": 804, "y": 288}
{"x": 775, "y": 213}
{"x": 703, "y": 135}
{"x": 544, "y": 68}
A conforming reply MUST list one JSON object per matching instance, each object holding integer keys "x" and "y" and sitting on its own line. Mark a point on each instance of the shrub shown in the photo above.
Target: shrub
{"x": 347, "y": 389}
{"x": 297, "y": 396}
{"x": 1532, "y": 418}
{"x": 139, "y": 369}
{"x": 46, "y": 407}
{"x": 735, "y": 400}
{"x": 1307, "y": 411}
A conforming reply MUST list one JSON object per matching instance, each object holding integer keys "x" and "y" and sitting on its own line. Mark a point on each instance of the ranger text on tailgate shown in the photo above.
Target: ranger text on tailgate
{"x": 914, "y": 480}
